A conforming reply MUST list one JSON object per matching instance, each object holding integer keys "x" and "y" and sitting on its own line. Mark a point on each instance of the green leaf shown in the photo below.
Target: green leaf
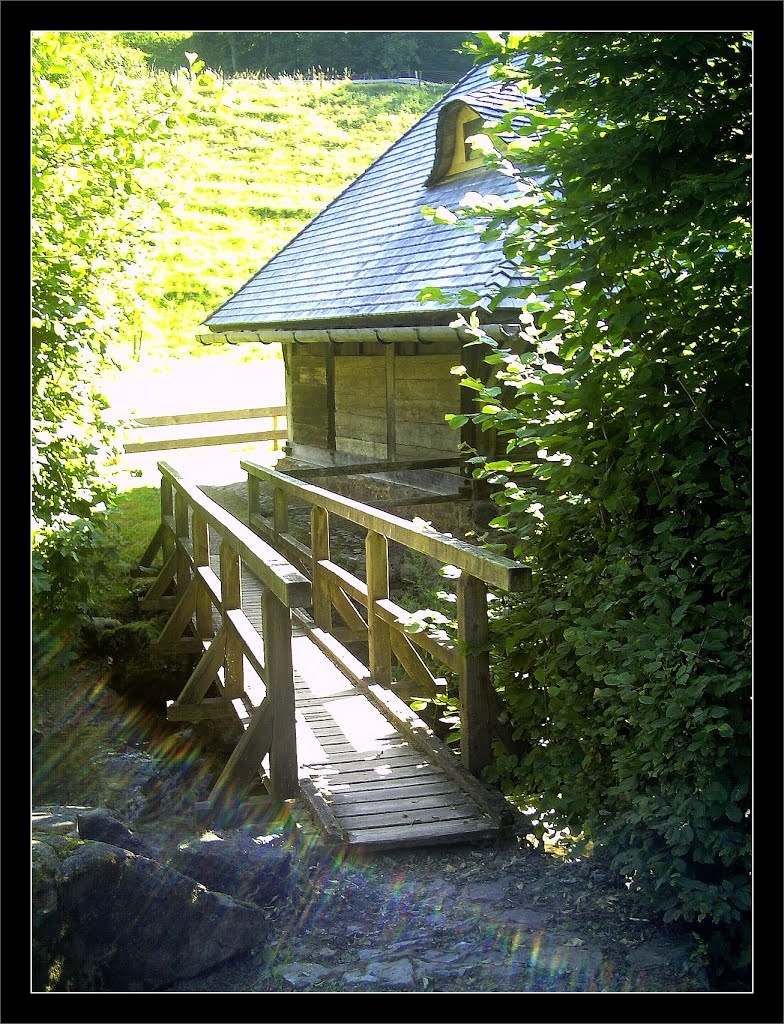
{"x": 456, "y": 421}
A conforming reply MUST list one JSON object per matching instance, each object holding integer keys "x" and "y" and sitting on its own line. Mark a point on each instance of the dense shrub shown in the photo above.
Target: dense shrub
{"x": 625, "y": 411}
{"x": 96, "y": 127}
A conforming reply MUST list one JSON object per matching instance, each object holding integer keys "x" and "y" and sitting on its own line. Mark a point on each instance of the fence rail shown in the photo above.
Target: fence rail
{"x": 335, "y": 590}
{"x": 194, "y": 430}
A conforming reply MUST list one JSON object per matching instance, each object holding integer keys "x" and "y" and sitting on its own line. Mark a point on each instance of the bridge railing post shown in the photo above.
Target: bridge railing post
{"x": 201, "y": 558}
{"x": 319, "y": 545}
{"x": 280, "y": 511}
{"x": 182, "y": 529}
{"x": 377, "y": 571}
{"x": 253, "y": 495}
{"x": 279, "y": 678}
{"x": 231, "y": 598}
{"x": 167, "y": 512}
{"x": 476, "y": 715}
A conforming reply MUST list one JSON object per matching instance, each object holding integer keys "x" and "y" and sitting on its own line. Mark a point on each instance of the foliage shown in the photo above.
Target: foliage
{"x": 137, "y": 237}
{"x": 436, "y": 56}
{"x": 96, "y": 134}
{"x": 625, "y": 413}
{"x": 161, "y": 51}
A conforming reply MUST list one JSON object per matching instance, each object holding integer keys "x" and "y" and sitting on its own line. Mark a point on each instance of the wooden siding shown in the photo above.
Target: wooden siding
{"x": 309, "y": 396}
{"x": 425, "y": 391}
{"x": 375, "y": 401}
{"x": 361, "y": 405}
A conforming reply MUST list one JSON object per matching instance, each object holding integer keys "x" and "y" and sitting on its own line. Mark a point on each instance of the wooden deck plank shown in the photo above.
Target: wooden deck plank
{"x": 433, "y": 788}
{"x": 439, "y": 807}
{"x": 389, "y": 836}
{"x": 397, "y": 816}
{"x": 405, "y": 788}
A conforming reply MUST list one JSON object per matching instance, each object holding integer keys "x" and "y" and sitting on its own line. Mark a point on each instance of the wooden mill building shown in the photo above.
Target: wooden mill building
{"x": 368, "y": 365}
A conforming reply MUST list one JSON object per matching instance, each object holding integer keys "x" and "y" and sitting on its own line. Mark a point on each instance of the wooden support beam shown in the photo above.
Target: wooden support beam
{"x": 346, "y": 610}
{"x": 293, "y": 549}
{"x": 179, "y": 619}
{"x": 390, "y": 401}
{"x": 377, "y": 562}
{"x": 211, "y": 708}
{"x": 330, "y": 826}
{"x": 319, "y": 540}
{"x": 150, "y": 601}
{"x": 287, "y": 363}
{"x": 267, "y": 564}
{"x": 162, "y": 444}
{"x": 251, "y": 641}
{"x": 155, "y": 545}
{"x": 231, "y": 597}
{"x": 412, "y": 663}
{"x": 212, "y": 416}
{"x": 365, "y": 468}
{"x": 205, "y": 672}
{"x": 167, "y": 514}
{"x": 182, "y": 532}
{"x": 211, "y": 584}
{"x": 494, "y": 569}
{"x": 349, "y": 583}
{"x": 201, "y": 560}
{"x": 445, "y": 651}
{"x": 253, "y": 489}
{"x": 276, "y": 625}
{"x": 475, "y": 708}
{"x": 245, "y": 760}
{"x": 280, "y": 510}
{"x": 330, "y": 368}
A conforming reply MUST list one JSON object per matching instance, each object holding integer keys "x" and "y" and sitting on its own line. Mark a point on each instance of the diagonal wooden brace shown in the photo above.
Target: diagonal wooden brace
{"x": 206, "y": 671}
{"x": 180, "y": 618}
{"x": 246, "y": 758}
{"x": 154, "y": 599}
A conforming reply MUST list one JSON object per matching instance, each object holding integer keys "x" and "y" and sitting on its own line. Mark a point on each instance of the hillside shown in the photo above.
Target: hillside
{"x": 257, "y": 160}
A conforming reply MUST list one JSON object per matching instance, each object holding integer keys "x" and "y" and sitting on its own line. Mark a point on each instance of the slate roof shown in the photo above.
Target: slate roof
{"x": 366, "y": 256}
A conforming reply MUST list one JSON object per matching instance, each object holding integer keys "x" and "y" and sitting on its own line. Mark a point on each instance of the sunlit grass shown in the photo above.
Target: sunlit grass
{"x": 259, "y": 158}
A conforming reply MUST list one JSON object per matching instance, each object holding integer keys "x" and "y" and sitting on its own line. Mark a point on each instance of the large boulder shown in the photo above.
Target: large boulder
{"x": 109, "y": 919}
{"x": 98, "y": 824}
{"x": 257, "y": 870}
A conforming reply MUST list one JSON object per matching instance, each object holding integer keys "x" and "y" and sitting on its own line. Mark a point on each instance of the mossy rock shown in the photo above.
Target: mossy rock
{"x": 138, "y": 670}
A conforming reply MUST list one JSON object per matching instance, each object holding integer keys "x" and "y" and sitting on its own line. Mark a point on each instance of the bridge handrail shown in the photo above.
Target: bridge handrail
{"x": 187, "y": 514}
{"x": 270, "y": 567}
{"x": 494, "y": 569}
{"x": 385, "y": 629}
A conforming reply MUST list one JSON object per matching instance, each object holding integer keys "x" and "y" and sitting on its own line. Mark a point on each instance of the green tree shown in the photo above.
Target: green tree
{"x": 435, "y": 55}
{"x": 97, "y": 126}
{"x": 625, "y": 411}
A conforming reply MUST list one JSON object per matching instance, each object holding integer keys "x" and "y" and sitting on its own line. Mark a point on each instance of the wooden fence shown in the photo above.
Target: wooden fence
{"x": 188, "y": 519}
{"x": 335, "y": 590}
{"x": 194, "y": 430}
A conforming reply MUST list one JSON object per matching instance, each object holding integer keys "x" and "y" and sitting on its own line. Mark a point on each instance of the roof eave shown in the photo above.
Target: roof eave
{"x": 442, "y": 317}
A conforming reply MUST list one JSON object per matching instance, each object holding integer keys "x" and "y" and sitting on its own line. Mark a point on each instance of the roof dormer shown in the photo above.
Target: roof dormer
{"x": 457, "y": 122}
{"x": 468, "y": 115}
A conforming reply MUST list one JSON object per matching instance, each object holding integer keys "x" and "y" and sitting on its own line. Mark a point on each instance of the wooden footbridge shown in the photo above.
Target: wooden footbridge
{"x": 267, "y": 618}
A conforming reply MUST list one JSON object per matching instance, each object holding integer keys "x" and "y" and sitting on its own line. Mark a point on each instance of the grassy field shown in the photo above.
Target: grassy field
{"x": 257, "y": 160}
